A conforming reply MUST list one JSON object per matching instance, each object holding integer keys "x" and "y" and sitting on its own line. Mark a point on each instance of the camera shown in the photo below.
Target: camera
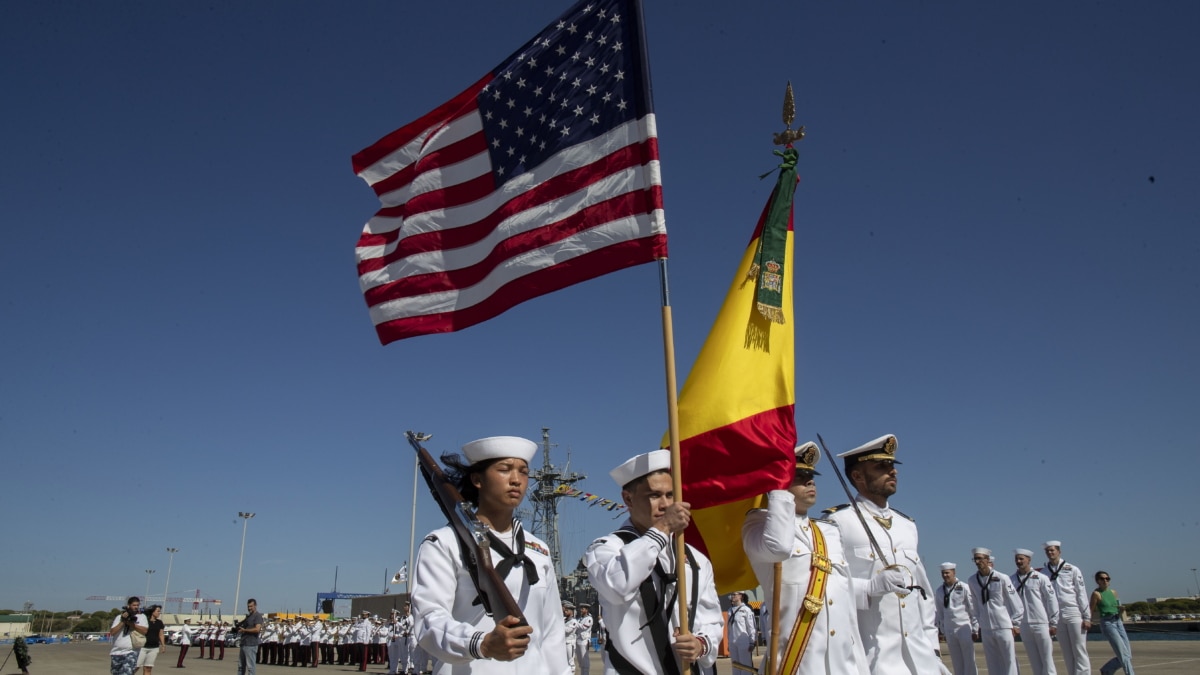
{"x": 128, "y": 615}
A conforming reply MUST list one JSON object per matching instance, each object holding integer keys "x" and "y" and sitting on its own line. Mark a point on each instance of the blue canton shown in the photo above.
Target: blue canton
{"x": 578, "y": 79}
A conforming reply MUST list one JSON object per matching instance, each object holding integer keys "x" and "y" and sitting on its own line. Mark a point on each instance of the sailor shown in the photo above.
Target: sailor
{"x": 451, "y": 623}
{"x": 741, "y": 629}
{"x": 954, "y": 614}
{"x": 400, "y": 642}
{"x": 185, "y": 640}
{"x": 1074, "y": 614}
{"x": 583, "y": 638}
{"x": 999, "y": 611}
{"x": 570, "y": 627}
{"x": 634, "y": 573}
{"x": 1040, "y": 622}
{"x": 893, "y": 595}
{"x": 818, "y": 623}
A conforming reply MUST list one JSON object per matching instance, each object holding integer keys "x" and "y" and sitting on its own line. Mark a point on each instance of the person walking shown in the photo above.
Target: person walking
{"x": 155, "y": 639}
{"x": 1106, "y": 605}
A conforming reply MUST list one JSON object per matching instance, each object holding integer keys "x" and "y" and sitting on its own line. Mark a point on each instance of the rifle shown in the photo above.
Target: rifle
{"x": 471, "y": 533}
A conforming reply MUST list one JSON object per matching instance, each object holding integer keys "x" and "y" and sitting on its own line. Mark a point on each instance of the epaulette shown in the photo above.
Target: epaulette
{"x": 431, "y": 537}
{"x": 826, "y": 521}
{"x": 903, "y": 515}
{"x": 834, "y": 509}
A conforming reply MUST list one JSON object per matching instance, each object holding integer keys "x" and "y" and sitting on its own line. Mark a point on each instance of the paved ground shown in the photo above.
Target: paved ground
{"x": 1153, "y": 657}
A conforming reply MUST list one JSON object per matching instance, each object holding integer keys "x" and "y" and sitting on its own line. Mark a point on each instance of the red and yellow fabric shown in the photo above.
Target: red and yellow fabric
{"x": 737, "y": 424}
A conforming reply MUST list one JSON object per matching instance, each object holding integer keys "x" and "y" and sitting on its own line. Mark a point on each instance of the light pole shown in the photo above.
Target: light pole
{"x": 245, "y": 516}
{"x": 1197, "y": 582}
{"x": 148, "y": 573}
{"x": 170, "y": 563}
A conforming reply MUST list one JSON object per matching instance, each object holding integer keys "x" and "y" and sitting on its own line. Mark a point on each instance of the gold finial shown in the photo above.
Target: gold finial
{"x": 789, "y": 134}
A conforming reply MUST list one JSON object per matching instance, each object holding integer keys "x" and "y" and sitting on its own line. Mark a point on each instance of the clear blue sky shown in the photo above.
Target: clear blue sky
{"x": 985, "y": 268}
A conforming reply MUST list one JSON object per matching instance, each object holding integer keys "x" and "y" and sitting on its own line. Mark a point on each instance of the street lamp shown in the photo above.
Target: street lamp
{"x": 245, "y": 516}
{"x": 1197, "y": 582}
{"x": 166, "y": 588}
{"x": 148, "y": 573}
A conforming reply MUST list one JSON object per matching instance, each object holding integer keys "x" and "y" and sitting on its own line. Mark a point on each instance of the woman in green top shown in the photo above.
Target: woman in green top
{"x": 1106, "y": 606}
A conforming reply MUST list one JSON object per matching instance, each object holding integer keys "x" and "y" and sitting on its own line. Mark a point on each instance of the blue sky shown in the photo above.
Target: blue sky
{"x": 996, "y": 235}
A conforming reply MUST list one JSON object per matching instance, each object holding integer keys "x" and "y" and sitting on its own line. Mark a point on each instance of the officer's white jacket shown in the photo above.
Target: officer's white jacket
{"x": 583, "y": 629}
{"x": 1002, "y": 610}
{"x": 777, "y": 534}
{"x": 450, "y": 626}
{"x": 1038, "y": 599}
{"x": 961, "y": 611}
{"x": 1071, "y": 589}
{"x": 898, "y": 634}
{"x": 616, "y": 570}
{"x": 185, "y": 635}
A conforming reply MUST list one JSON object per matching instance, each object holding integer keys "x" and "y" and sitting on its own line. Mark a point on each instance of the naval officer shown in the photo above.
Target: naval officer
{"x": 999, "y": 612}
{"x": 893, "y": 595}
{"x": 1074, "y": 613}
{"x": 1041, "y": 613}
{"x": 633, "y": 572}
{"x": 450, "y": 623}
{"x": 570, "y": 626}
{"x": 818, "y": 622}
{"x": 954, "y": 614}
{"x": 583, "y": 638}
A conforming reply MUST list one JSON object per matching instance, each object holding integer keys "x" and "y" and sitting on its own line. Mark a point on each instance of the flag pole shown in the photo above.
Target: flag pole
{"x": 673, "y": 435}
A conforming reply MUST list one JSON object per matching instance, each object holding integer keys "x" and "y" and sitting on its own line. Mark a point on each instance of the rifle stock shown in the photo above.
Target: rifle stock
{"x": 471, "y": 533}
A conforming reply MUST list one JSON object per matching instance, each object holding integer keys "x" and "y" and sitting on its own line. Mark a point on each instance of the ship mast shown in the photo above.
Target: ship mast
{"x": 545, "y": 495}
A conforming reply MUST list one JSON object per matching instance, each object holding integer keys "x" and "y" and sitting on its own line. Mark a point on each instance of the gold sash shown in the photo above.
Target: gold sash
{"x": 814, "y": 600}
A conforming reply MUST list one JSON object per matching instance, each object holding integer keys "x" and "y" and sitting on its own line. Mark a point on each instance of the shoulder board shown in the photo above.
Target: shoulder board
{"x": 431, "y": 537}
{"x": 835, "y": 509}
{"x": 826, "y": 521}
{"x": 903, "y": 515}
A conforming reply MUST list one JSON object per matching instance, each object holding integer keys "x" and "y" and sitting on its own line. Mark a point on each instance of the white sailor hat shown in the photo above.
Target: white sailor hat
{"x": 949, "y": 566}
{"x": 568, "y": 605}
{"x": 981, "y": 551}
{"x": 646, "y": 463}
{"x": 1023, "y": 551}
{"x": 807, "y": 456}
{"x": 882, "y": 448}
{"x": 584, "y": 605}
{"x": 499, "y": 447}
{"x": 1053, "y": 542}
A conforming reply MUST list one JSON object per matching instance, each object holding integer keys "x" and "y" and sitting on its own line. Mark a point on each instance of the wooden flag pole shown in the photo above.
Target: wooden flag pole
{"x": 773, "y": 644}
{"x": 673, "y": 435}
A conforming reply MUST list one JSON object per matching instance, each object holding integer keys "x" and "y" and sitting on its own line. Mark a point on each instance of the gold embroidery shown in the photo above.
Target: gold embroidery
{"x": 885, "y": 522}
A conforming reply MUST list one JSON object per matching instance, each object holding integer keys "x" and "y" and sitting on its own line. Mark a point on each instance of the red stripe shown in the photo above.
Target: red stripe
{"x": 553, "y": 188}
{"x": 740, "y": 460}
{"x": 621, "y": 206}
{"x": 456, "y": 107}
{"x": 455, "y": 152}
{"x": 548, "y": 280}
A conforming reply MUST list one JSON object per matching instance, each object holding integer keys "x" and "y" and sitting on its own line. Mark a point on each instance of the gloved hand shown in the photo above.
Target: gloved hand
{"x": 890, "y": 580}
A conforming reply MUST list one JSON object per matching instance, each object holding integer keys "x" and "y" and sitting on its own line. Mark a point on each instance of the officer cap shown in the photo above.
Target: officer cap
{"x": 643, "y": 464}
{"x": 807, "y": 456}
{"x": 499, "y": 447}
{"x": 882, "y": 448}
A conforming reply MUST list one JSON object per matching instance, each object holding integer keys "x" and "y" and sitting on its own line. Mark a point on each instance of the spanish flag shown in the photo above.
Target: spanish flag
{"x": 737, "y": 423}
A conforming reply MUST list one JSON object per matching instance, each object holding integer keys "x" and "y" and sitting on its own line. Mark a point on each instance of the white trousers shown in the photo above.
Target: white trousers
{"x": 1000, "y": 651}
{"x": 1074, "y": 645}
{"x": 962, "y": 651}
{"x": 581, "y": 657}
{"x": 1039, "y": 648}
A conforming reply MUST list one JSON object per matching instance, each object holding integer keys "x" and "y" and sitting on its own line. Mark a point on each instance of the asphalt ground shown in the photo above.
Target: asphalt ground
{"x": 1157, "y": 657}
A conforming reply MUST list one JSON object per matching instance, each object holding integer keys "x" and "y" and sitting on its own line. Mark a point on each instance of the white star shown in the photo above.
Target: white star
{"x": 595, "y": 118}
{"x": 500, "y": 171}
{"x": 591, "y": 90}
{"x": 620, "y": 75}
{"x": 533, "y": 140}
{"x": 572, "y": 29}
{"x": 588, "y": 36}
{"x": 564, "y": 103}
{"x": 560, "y": 25}
{"x": 545, "y": 42}
{"x": 496, "y": 94}
{"x": 561, "y": 51}
{"x": 542, "y": 145}
{"x": 508, "y": 74}
{"x": 521, "y": 56}
{"x": 575, "y": 82}
{"x": 607, "y": 96}
{"x": 511, "y": 104}
{"x": 522, "y": 159}
{"x": 601, "y": 14}
{"x": 604, "y": 69}
{"x": 496, "y": 143}
{"x": 521, "y": 83}
{"x": 549, "y": 70}
{"x": 565, "y": 130}
{"x": 528, "y": 111}
{"x": 575, "y": 57}
{"x": 589, "y": 8}
{"x": 511, "y": 151}
{"x": 621, "y": 105}
{"x": 542, "y": 118}
{"x": 616, "y": 18}
{"x": 503, "y": 124}
{"x": 537, "y": 92}
{"x": 578, "y": 110}
{"x": 617, "y": 46}
{"x": 553, "y": 97}
{"x": 603, "y": 40}
{"x": 562, "y": 77}
{"x": 533, "y": 63}
{"x": 520, "y": 132}
{"x": 590, "y": 62}
{"x": 487, "y": 115}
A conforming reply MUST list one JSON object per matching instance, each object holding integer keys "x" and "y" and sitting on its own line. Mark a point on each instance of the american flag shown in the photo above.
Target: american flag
{"x": 542, "y": 174}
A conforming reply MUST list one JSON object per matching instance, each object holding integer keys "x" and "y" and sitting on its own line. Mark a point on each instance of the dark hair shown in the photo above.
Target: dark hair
{"x": 458, "y": 472}
{"x": 132, "y": 599}
{"x": 251, "y": 600}
{"x": 150, "y": 610}
{"x": 1100, "y": 572}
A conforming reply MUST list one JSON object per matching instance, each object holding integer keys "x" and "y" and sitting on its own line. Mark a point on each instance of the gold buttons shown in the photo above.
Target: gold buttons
{"x": 833, "y": 632}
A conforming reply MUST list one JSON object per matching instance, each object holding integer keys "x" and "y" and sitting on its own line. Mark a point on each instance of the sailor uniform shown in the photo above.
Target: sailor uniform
{"x": 778, "y": 534}
{"x": 1041, "y": 611}
{"x": 400, "y": 645}
{"x": 999, "y": 610}
{"x": 1070, "y": 588}
{"x": 451, "y": 624}
{"x": 954, "y": 614}
{"x": 639, "y": 636}
{"x": 740, "y": 626}
{"x": 583, "y": 642}
{"x": 898, "y": 633}
{"x": 570, "y": 627}
{"x": 185, "y": 641}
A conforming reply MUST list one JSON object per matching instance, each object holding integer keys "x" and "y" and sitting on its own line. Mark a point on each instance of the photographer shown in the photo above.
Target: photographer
{"x": 248, "y": 628}
{"x": 123, "y": 656}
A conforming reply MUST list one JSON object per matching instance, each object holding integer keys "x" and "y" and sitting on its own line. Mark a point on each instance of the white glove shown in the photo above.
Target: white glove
{"x": 890, "y": 580}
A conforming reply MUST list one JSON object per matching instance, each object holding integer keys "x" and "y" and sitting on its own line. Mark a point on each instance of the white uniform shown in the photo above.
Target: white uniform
{"x": 999, "y": 610}
{"x": 570, "y": 626}
{"x": 1073, "y": 609}
{"x": 777, "y": 534}
{"x": 185, "y": 635}
{"x": 1041, "y": 612}
{"x": 450, "y": 626}
{"x": 741, "y": 632}
{"x": 954, "y": 614}
{"x": 583, "y": 642}
{"x": 617, "y": 570}
{"x": 400, "y": 645}
{"x": 898, "y": 634}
